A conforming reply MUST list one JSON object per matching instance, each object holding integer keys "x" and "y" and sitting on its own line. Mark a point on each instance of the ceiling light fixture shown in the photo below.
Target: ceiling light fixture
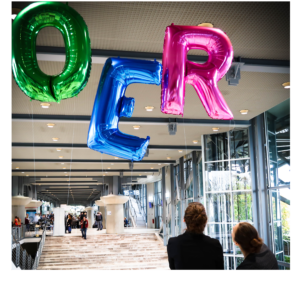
{"x": 215, "y": 129}
{"x": 136, "y": 127}
{"x": 159, "y": 164}
{"x": 149, "y": 108}
{"x": 58, "y": 149}
{"x": 27, "y": 175}
{"x": 65, "y": 172}
{"x": 60, "y": 157}
{"x": 195, "y": 142}
{"x": 54, "y": 139}
{"x": 179, "y": 151}
{"x": 62, "y": 163}
{"x": 286, "y": 85}
{"x": 45, "y": 105}
{"x": 168, "y": 157}
{"x": 108, "y": 168}
{"x": 116, "y": 157}
{"x": 206, "y": 25}
{"x": 244, "y": 111}
{"x": 112, "y": 164}
{"x": 22, "y": 172}
{"x": 17, "y": 168}
{"x": 64, "y": 167}
{"x": 151, "y": 168}
{"x": 50, "y": 125}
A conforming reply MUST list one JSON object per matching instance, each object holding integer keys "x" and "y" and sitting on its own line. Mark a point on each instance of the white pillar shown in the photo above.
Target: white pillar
{"x": 18, "y": 207}
{"x": 114, "y": 213}
{"x": 90, "y": 216}
{"x": 59, "y": 221}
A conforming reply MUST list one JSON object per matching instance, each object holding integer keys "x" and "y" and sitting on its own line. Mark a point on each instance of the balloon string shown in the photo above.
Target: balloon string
{"x": 33, "y": 148}
{"x": 69, "y": 185}
{"x": 102, "y": 175}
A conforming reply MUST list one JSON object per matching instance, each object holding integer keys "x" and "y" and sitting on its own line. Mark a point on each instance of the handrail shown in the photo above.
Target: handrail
{"x": 40, "y": 250}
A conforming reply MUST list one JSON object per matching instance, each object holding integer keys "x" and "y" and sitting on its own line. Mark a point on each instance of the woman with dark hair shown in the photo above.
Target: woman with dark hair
{"x": 257, "y": 255}
{"x": 194, "y": 250}
{"x": 69, "y": 223}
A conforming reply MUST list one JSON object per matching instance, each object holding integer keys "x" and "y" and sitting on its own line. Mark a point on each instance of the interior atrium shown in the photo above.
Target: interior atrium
{"x": 140, "y": 158}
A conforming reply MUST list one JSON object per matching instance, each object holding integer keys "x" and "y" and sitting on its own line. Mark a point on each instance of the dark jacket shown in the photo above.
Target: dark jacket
{"x": 98, "y": 217}
{"x": 195, "y": 252}
{"x": 264, "y": 260}
{"x": 69, "y": 222}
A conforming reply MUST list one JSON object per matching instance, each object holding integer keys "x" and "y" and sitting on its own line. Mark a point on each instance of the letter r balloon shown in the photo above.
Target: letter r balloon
{"x": 111, "y": 104}
{"x": 177, "y": 70}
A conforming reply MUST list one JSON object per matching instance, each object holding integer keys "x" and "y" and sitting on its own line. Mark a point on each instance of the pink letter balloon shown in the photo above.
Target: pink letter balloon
{"x": 177, "y": 70}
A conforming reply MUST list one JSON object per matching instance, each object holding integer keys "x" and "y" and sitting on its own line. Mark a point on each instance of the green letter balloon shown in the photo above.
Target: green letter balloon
{"x": 31, "y": 80}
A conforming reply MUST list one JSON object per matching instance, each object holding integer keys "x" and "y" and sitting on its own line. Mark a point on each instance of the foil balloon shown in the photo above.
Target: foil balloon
{"x": 111, "y": 104}
{"x": 177, "y": 70}
{"x": 31, "y": 80}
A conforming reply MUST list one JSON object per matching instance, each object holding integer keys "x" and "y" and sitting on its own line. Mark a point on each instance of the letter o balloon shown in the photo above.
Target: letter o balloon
{"x": 31, "y": 80}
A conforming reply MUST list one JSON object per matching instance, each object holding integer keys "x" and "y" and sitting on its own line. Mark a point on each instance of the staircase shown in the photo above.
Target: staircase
{"x": 104, "y": 252}
{"x": 140, "y": 221}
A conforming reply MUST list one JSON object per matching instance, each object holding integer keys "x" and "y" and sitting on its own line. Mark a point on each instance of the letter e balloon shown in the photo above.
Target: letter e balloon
{"x": 177, "y": 70}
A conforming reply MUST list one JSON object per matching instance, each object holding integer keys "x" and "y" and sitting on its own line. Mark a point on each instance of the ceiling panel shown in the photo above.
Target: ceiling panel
{"x": 140, "y": 26}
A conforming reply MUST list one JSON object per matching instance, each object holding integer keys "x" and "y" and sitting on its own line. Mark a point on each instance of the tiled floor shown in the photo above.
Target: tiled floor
{"x": 136, "y": 249}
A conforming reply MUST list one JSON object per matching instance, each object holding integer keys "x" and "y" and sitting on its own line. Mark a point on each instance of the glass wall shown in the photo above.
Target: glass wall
{"x": 143, "y": 200}
{"x": 227, "y": 188}
{"x": 278, "y": 155}
{"x": 157, "y": 204}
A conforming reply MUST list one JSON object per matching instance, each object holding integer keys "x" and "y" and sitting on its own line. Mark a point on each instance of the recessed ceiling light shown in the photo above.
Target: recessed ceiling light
{"x": 136, "y": 127}
{"x": 60, "y": 157}
{"x": 179, "y": 151}
{"x": 168, "y": 157}
{"x": 17, "y": 168}
{"x": 151, "y": 168}
{"x": 50, "y": 125}
{"x": 244, "y": 111}
{"x": 105, "y": 172}
{"x": 159, "y": 164}
{"x": 66, "y": 175}
{"x": 64, "y": 167}
{"x": 286, "y": 85}
{"x": 195, "y": 142}
{"x": 103, "y": 175}
{"x": 116, "y": 157}
{"x": 45, "y": 105}
{"x": 58, "y": 149}
{"x": 112, "y": 164}
{"x": 149, "y": 108}
{"x": 206, "y": 25}
{"x": 22, "y": 172}
{"x": 65, "y": 172}
{"x": 27, "y": 175}
{"x": 108, "y": 168}
{"x": 215, "y": 129}
{"x": 140, "y": 174}
{"x": 62, "y": 163}
{"x": 54, "y": 139}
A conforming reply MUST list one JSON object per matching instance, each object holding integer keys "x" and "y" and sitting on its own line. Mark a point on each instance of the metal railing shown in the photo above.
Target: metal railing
{"x": 40, "y": 250}
{"x": 20, "y": 258}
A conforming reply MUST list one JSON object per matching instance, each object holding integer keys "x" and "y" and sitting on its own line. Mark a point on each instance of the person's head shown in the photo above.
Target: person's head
{"x": 27, "y": 215}
{"x": 100, "y": 213}
{"x": 83, "y": 218}
{"x": 36, "y": 214}
{"x": 16, "y": 217}
{"x": 195, "y": 218}
{"x": 245, "y": 236}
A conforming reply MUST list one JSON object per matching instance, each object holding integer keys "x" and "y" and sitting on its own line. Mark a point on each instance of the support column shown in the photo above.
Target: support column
{"x": 90, "y": 216}
{"x": 261, "y": 206}
{"x": 182, "y": 192}
{"x": 114, "y": 213}
{"x": 173, "y": 199}
{"x": 195, "y": 176}
{"x": 163, "y": 197}
{"x": 18, "y": 207}
{"x": 117, "y": 185}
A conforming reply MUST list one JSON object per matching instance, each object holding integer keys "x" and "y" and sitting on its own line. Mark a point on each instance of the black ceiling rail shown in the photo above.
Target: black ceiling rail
{"x": 91, "y": 161}
{"x": 88, "y": 182}
{"x": 67, "y": 145}
{"x": 86, "y": 170}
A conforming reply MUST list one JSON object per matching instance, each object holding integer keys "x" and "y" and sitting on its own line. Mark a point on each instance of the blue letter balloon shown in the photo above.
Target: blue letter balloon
{"x": 111, "y": 104}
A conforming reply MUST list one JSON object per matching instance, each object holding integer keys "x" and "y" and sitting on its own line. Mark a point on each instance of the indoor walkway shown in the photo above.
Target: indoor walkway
{"x": 128, "y": 251}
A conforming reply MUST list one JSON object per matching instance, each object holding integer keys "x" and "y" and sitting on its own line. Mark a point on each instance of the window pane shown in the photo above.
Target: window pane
{"x": 222, "y": 232}
{"x": 216, "y": 146}
{"x": 228, "y": 263}
{"x": 217, "y": 176}
{"x": 242, "y": 203}
{"x": 239, "y": 146}
{"x": 238, "y": 261}
{"x": 241, "y": 175}
{"x": 218, "y": 207}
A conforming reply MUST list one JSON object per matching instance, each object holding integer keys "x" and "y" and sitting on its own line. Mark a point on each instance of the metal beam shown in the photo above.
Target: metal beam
{"x": 99, "y": 56}
{"x": 132, "y": 120}
{"x": 86, "y": 170}
{"x": 74, "y": 146}
{"x": 118, "y": 161}
{"x": 90, "y": 181}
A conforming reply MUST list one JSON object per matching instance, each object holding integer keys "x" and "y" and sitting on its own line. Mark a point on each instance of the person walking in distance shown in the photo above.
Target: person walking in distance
{"x": 69, "y": 223}
{"x": 84, "y": 226}
{"x": 27, "y": 222}
{"x": 99, "y": 220}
